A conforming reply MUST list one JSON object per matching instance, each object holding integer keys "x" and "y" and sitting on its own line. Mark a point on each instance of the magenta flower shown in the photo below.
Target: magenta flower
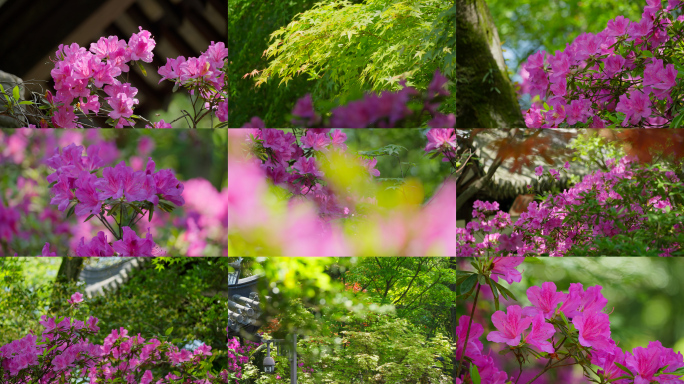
{"x": 338, "y": 139}
{"x": 594, "y": 330}
{"x": 613, "y": 64}
{"x": 46, "y": 251}
{"x": 141, "y": 45}
{"x": 617, "y": 26}
{"x": 505, "y": 267}
{"x": 75, "y": 298}
{"x": 539, "y": 171}
{"x": 441, "y": 138}
{"x": 9, "y": 221}
{"x": 554, "y": 173}
{"x": 169, "y": 187}
{"x": 509, "y": 326}
{"x": 370, "y": 166}
{"x": 88, "y": 201}
{"x": 606, "y": 359}
{"x": 579, "y": 301}
{"x": 546, "y": 298}
{"x": 132, "y": 245}
{"x": 122, "y": 106}
{"x": 305, "y": 166}
{"x": 474, "y": 346}
{"x": 303, "y": 109}
{"x": 540, "y": 334}
{"x": 62, "y": 193}
{"x": 98, "y": 246}
{"x": 644, "y": 363}
{"x": 317, "y": 141}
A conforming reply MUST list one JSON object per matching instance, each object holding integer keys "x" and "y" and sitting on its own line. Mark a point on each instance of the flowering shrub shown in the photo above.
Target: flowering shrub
{"x": 130, "y": 204}
{"x": 629, "y": 210}
{"x": 626, "y": 74}
{"x": 81, "y": 75}
{"x": 561, "y": 327}
{"x": 64, "y": 352}
{"x": 319, "y": 171}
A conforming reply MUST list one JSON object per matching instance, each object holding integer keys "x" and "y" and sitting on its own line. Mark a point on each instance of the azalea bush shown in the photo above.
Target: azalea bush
{"x": 628, "y": 74}
{"x": 322, "y": 172}
{"x": 84, "y": 78}
{"x": 108, "y": 202}
{"x": 625, "y": 211}
{"x": 63, "y": 351}
{"x": 558, "y": 330}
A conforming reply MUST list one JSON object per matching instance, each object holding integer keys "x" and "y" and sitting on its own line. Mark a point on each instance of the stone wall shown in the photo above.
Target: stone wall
{"x": 8, "y": 82}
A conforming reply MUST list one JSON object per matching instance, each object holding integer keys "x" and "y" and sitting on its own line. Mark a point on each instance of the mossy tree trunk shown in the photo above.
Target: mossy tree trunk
{"x": 485, "y": 95}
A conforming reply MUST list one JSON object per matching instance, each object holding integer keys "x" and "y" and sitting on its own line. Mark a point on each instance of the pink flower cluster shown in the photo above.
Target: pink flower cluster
{"x": 442, "y": 140}
{"x": 204, "y": 71}
{"x": 74, "y": 180}
{"x": 64, "y": 346}
{"x": 77, "y": 67}
{"x": 552, "y": 217}
{"x": 584, "y": 309}
{"x": 385, "y": 110}
{"x": 593, "y": 63}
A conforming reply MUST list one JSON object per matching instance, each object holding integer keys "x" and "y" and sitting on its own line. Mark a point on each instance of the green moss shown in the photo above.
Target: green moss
{"x": 477, "y": 105}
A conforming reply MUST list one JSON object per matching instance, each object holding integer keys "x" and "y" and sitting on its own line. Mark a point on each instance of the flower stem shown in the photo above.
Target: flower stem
{"x": 465, "y": 344}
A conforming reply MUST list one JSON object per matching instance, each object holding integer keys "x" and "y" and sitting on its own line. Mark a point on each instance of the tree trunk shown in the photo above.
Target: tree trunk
{"x": 485, "y": 95}
{"x": 69, "y": 269}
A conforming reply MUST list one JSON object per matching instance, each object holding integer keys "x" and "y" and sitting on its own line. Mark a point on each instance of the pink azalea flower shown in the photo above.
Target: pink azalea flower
{"x": 132, "y": 245}
{"x": 509, "y": 326}
{"x": 504, "y": 267}
{"x": 617, "y": 26}
{"x": 644, "y": 363}
{"x": 474, "y": 347}
{"x": 370, "y": 166}
{"x": 46, "y": 251}
{"x": 305, "y": 166}
{"x": 338, "y": 139}
{"x": 540, "y": 334}
{"x": 594, "y": 330}
{"x": 546, "y": 299}
{"x": 317, "y": 141}
{"x": 169, "y": 187}
{"x": 441, "y": 138}
{"x": 62, "y": 193}
{"x": 98, "y": 246}
{"x": 141, "y": 45}
{"x": 88, "y": 201}
{"x": 75, "y": 298}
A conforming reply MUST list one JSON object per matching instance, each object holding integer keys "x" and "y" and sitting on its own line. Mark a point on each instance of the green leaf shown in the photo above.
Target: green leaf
{"x": 141, "y": 67}
{"x": 71, "y": 211}
{"x": 2, "y": 89}
{"x": 468, "y": 283}
{"x": 175, "y": 87}
{"x": 475, "y": 374}
{"x": 151, "y": 213}
{"x": 15, "y": 92}
{"x": 677, "y": 122}
{"x": 168, "y": 331}
{"x": 624, "y": 368}
{"x": 495, "y": 292}
{"x": 505, "y": 291}
{"x": 25, "y": 102}
{"x": 89, "y": 217}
